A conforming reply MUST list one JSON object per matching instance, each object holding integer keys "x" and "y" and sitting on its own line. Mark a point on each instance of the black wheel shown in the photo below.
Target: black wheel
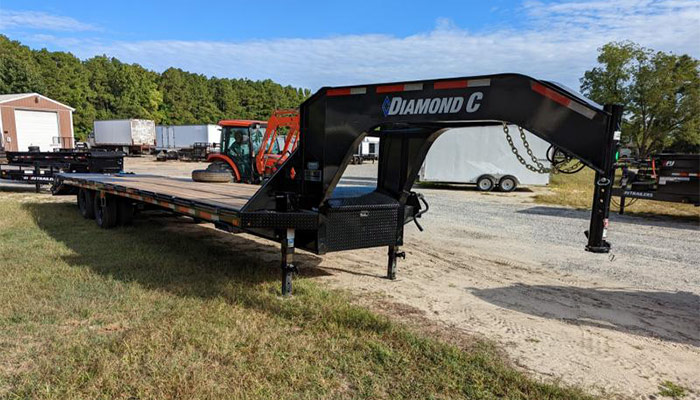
{"x": 125, "y": 212}
{"x": 86, "y": 203}
{"x": 507, "y": 183}
{"x": 105, "y": 215}
{"x": 485, "y": 183}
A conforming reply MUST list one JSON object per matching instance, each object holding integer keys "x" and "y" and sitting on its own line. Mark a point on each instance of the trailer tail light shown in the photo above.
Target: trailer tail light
{"x": 563, "y": 100}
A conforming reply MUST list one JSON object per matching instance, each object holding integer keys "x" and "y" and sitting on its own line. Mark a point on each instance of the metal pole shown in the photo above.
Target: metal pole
{"x": 37, "y": 172}
{"x": 597, "y": 231}
{"x": 288, "y": 267}
{"x": 391, "y": 267}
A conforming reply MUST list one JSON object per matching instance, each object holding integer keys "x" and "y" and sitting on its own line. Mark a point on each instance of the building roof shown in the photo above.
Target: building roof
{"x": 4, "y": 98}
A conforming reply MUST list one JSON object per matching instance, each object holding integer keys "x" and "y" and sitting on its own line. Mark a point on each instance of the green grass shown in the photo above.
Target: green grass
{"x": 577, "y": 191}
{"x": 672, "y": 390}
{"x": 168, "y": 309}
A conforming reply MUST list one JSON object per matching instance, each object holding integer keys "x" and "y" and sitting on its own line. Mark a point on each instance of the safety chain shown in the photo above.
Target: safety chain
{"x": 538, "y": 167}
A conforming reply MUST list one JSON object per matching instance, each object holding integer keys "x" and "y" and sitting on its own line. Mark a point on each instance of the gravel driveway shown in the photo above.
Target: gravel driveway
{"x": 502, "y": 267}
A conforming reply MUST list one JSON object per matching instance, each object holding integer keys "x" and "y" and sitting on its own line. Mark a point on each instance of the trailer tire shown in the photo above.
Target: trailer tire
{"x": 86, "y": 203}
{"x": 125, "y": 212}
{"x": 205, "y": 175}
{"x": 106, "y": 216}
{"x": 507, "y": 183}
{"x": 485, "y": 183}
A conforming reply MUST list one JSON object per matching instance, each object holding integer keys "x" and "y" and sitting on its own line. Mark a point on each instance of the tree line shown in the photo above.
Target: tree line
{"x": 103, "y": 87}
{"x": 660, "y": 92}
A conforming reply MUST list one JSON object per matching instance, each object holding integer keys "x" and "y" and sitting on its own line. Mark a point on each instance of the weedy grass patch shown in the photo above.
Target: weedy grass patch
{"x": 169, "y": 309}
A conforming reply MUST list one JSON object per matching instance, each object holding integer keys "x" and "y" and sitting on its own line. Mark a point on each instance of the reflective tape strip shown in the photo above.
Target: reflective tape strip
{"x": 450, "y": 84}
{"x": 685, "y": 174}
{"x": 461, "y": 84}
{"x": 408, "y": 87}
{"x": 563, "y": 100}
{"x": 479, "y": 82}
{"x": 345, "y": 91}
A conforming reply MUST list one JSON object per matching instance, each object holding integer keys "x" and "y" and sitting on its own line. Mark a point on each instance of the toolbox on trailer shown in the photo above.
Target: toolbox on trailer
{"x": 300, "y": 205}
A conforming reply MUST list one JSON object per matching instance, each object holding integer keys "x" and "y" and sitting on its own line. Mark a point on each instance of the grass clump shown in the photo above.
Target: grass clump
{"x": 672, "y": 390}
{"x": 168, "y": 309}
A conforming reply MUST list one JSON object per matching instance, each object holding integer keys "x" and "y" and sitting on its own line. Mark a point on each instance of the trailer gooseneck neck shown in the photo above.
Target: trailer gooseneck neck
{"x": 301, "y": 207}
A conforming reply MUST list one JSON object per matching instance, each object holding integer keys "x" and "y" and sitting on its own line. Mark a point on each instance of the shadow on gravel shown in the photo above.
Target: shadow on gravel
{"x": 637, "y": 219}
{"x": 172, "y": 254}
{"x": 670, "y": 316}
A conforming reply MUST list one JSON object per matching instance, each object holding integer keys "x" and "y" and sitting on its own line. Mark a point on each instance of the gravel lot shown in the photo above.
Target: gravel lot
{"x": 503, "y": 267}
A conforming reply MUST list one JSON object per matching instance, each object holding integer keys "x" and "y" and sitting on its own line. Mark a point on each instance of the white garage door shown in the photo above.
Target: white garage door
{"x": 36, "y": 128}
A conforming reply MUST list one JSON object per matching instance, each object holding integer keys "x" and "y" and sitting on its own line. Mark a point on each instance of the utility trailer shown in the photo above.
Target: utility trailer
{"x": 482, "y": 156}
{"x": 663, "y": 177}
{"x": 39, "y": 168}
{"x": 300, "y": 206}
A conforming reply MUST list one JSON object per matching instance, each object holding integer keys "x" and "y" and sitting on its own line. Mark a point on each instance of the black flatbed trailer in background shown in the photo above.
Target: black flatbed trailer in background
{"x": 40, "y": 168}
{"x": 300, "y": 205}
{"x": 663, "y": 177}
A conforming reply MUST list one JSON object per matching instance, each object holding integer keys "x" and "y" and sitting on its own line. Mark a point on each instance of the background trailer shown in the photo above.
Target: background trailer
{"x": 301, "y": 206}
{"x": 129, "y": 135}
{"x": 176, "y": 137}
{"x": 481, "y": 155}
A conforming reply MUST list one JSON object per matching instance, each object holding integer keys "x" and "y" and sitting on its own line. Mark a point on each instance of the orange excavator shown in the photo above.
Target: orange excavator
{"x": 252, "y": 150}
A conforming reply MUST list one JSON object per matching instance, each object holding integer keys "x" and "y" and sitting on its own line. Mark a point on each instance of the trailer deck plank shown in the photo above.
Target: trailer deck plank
{"x": 230, "y": 196}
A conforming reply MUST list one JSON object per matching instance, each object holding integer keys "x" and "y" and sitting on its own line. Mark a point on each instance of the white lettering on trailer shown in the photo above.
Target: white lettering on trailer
{"x": 472, "y": 104}
{"x": 437, "y": 105}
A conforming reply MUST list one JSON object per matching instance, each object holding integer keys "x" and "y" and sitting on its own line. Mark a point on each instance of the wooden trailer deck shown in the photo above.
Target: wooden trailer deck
{"x": 208, "y": 201}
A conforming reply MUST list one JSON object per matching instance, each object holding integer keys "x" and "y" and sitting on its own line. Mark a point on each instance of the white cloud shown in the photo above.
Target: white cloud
{"x": 556, "y": 41}
{"x": 41, "y": 20}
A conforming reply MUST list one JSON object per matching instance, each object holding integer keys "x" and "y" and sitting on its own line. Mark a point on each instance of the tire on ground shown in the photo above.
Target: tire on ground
{"x": 106, "y": 216}
{"x": 204, "y": 175}
{"x": 125, "y": 212}
{"x": 86, "y": 203}
{"x": 485, "y": 183}
{"x": 507, "y": 183}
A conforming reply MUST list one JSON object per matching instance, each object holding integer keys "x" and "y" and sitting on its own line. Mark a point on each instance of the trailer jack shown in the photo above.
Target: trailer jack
{"x": 394, "y": 253}
{"x": 288, "y": 267}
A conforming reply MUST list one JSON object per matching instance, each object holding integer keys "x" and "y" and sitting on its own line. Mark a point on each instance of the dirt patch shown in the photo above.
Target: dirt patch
{"x": 605, "y": 337}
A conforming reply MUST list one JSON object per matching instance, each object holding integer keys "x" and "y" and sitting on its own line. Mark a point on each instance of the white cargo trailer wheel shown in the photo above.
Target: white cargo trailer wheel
{"x": 508, "y": 183}
{"x": 485, "y": 183}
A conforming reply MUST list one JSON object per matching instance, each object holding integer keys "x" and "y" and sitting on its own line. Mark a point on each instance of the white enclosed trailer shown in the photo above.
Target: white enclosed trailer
{"x": 175, "y": 137}
{"x": 368, "y": 149}
{"x": 482, "y": 156}
{"x": 134, "y": 135}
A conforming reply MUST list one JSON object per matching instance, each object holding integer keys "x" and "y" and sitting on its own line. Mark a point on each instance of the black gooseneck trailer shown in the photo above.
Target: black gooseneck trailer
{"x": 300, "y": 205}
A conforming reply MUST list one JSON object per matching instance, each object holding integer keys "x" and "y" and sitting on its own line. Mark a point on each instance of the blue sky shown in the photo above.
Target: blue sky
{"x": 316, "y": 43}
